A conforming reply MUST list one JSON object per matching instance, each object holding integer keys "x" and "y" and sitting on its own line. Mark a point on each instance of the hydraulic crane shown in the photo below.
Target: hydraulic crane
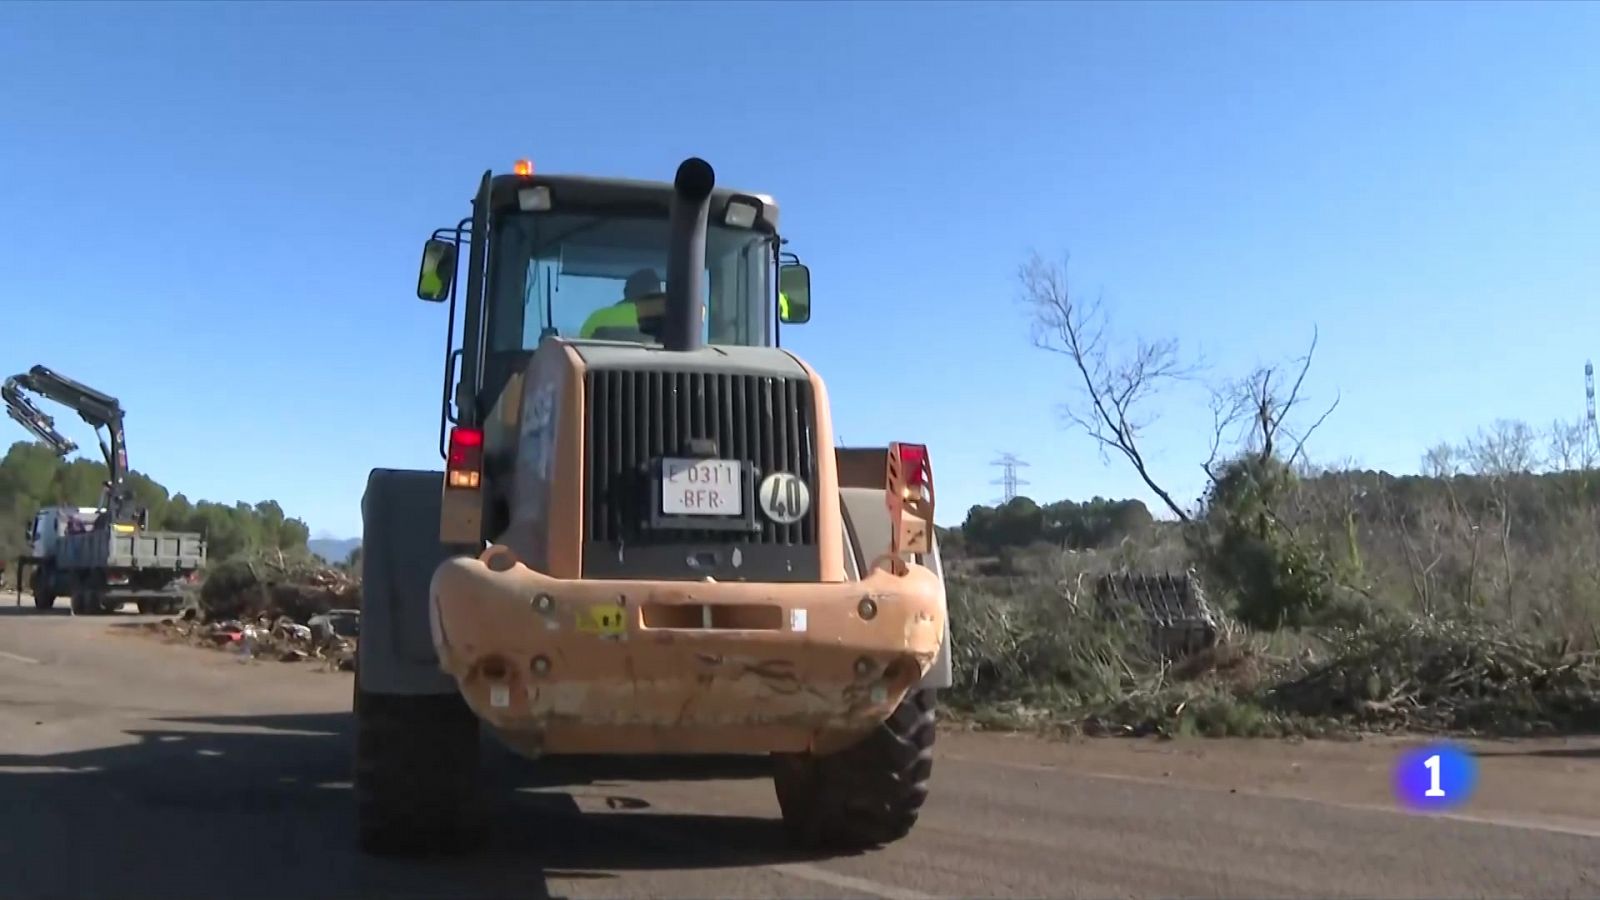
{"x": 31, "y": 418}
{"x": 97, "y": 408}
{"x": 117, "y": 559}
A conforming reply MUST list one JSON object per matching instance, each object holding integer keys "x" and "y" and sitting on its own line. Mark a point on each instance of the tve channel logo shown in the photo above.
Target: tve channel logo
{"x": 1435, "y": 778}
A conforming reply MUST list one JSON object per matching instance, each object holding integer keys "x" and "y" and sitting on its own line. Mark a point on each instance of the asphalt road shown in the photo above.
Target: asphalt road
{"x": 130, "y": 768}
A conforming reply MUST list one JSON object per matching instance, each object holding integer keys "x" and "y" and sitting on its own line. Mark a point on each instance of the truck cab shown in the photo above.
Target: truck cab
{"x": 53, "y": 523}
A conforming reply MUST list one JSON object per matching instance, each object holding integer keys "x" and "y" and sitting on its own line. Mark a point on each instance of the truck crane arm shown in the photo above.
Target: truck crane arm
{"x": 99, "y": 409}
{"x": 34, "y": 420}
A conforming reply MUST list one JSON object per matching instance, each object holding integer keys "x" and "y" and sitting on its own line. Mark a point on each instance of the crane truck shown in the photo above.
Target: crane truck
{"x": 643, "y": 539}
{"x": 100, "y": 557}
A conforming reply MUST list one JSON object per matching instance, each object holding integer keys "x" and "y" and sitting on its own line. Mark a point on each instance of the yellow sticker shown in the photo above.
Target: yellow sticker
{"x": 606, "y": 619}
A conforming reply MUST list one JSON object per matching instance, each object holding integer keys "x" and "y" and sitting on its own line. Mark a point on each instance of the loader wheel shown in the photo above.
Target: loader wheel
{"x": 867, "y": 795}
{"x": 416, "y": 774}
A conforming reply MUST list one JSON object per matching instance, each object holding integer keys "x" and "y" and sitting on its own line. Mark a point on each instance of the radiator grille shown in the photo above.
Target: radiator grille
{"x": 634, "y": 417}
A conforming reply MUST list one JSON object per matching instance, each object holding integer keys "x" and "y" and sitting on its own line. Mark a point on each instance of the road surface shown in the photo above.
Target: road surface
{"x": 133, "y": 768}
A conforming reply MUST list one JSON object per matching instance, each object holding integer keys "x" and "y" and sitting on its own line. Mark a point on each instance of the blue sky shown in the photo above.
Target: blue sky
{"x": 214, "y": 211}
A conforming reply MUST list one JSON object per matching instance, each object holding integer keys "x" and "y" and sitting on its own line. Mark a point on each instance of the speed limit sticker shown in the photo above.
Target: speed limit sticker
{"x": 784, "y": 497}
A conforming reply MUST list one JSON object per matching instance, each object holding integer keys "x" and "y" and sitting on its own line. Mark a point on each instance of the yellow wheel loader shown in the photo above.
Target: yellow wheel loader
{"x": 643, "y": 539}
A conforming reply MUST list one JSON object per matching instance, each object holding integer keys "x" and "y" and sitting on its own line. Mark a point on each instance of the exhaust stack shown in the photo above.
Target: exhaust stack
{"x": 686, "y": 255}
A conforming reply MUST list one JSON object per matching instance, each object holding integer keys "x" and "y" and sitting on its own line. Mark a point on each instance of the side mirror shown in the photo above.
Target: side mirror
{"x": 437, "y": 272}
{"x": 794, "y": 294}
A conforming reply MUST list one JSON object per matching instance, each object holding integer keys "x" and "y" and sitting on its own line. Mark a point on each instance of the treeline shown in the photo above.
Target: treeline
{"x": 31, "y": 476}
{"x": 1508, "y": 534}
{"x": 1064, "y": 524}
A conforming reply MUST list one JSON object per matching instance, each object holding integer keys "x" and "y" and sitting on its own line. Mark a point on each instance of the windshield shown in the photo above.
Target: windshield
{"x": 566, "y": 273}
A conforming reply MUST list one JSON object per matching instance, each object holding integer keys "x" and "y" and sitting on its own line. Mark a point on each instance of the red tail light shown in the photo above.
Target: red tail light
{"x": 464, "y": 465}
{"x": 914, "y": 457}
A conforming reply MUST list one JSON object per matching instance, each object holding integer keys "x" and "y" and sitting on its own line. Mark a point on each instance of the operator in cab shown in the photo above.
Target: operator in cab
{"x": 642, "y": 293}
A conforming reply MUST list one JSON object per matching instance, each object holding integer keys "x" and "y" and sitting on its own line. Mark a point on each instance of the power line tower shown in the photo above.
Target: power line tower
{"x": 1008, "y": 479}
{"x": 1591, "y": 436}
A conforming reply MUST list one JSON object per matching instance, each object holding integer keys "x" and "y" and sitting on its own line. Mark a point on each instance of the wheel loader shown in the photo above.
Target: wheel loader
{"x": 643, "y": 539}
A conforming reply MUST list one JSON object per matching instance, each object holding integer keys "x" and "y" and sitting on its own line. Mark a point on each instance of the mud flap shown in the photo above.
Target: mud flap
{"x": 866, "y": 521}
{"x": 400, "y": 550}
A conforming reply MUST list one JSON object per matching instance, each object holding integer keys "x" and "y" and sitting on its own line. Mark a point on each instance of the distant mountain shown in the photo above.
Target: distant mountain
{"x": 334, "y": 550}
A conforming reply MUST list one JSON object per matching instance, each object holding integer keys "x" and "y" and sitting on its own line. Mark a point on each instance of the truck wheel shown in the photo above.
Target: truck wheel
{"x": 416, "y": 774}
{"x": 867, "y": 795}
{"x": 44, "y": 601}
{"x": 146, "y": 607}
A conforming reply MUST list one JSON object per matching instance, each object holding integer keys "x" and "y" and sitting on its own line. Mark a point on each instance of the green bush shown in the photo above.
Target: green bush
{"x": 1274, "y": 579}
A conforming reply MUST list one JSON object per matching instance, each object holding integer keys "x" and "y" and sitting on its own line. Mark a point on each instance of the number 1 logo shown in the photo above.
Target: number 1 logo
{"x": 1433, "y": 790}
{"x": 1435, "y": 777}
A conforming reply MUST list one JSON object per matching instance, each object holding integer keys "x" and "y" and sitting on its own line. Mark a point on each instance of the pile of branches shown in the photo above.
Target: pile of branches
{"x": 1444, "y": 675}
{"x": 271, "y": 584}
{"x": 1028, "y": 654}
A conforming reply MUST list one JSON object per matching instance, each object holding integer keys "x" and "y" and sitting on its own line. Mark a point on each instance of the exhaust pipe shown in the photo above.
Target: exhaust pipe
{"x": 686, "y": 255}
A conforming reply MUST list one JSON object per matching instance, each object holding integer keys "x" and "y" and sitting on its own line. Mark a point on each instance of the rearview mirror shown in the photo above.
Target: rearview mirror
{"x": 438, "y": 270}
{"x": 794, "y": 294}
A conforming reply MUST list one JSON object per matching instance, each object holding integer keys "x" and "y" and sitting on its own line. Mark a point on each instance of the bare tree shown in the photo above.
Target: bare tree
{"x": 1441, "y": 461}
{"x": 1506, "y": 448}
{"x": 1571, "y": 446}
{"x": 1497, "y": 453}
{"x": 1116, "y": 392}
{"x": 1259, "y": 406}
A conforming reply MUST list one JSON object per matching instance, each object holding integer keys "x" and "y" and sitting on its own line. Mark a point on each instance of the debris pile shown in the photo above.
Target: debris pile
{"x": 1025, "y": 658}
{"x": 269, "y": 606}
{"x": 1433, "y": 675}
{"x": 271, "y": 584}
{"x": 330, "y": 637}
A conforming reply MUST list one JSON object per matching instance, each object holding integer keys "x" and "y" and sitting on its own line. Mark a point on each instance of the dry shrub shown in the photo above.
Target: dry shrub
{"x": 1034, "y": 651}
{"x": 1456, "y": 675}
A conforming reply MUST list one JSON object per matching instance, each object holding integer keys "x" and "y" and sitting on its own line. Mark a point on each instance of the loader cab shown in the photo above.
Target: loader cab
{"x": 583, "y": 258}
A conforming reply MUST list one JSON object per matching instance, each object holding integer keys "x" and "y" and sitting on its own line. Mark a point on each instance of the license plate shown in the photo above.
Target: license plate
{"x": 702, "y": 487}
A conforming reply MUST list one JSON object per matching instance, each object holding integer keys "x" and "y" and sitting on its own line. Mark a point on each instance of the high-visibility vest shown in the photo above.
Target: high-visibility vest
{"x": 617, "y": 315}
{"x": 625, "y": 314}
{"x": 783, "y": 305}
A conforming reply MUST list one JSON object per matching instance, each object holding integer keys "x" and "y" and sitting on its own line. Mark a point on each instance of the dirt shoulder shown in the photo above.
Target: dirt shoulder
{"x": 1550, "y": 782}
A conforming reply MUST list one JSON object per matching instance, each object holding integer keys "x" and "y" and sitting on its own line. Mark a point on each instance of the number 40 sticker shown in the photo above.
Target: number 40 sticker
{"x": 784, "y": 497}
{"x": 1435, "y": 777}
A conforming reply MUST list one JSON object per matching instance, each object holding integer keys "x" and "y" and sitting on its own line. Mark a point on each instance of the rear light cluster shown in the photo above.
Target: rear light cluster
{"x": 918, "y": 470}
{"x": 464, "y": 465}
{"x": 910, "y": 498}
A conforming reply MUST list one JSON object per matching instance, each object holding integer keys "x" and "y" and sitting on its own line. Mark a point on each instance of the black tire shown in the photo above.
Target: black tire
{"x": 867, "y": 795}
{"x": 44, "y": 601}
{"x": 146, "y": 607}
{"x": 416, "y": 774}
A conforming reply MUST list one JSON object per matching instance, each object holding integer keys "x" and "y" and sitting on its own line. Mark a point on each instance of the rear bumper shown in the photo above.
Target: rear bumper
{"x": 574, "y": 666}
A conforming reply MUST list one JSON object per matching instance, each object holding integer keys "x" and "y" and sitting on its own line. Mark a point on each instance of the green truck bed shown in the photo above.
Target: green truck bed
{"x": 175, "y": 550}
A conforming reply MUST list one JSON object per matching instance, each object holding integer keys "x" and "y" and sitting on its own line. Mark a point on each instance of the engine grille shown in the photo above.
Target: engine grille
{"x": 634, "y": 417}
